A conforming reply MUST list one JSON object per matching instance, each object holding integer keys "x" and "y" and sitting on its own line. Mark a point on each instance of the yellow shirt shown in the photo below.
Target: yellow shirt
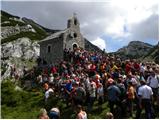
{"x": 131, "y": 92}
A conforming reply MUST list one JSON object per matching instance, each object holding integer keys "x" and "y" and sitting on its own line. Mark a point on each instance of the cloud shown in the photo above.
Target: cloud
{"x": 147, "y": 29}
{"x": 121, "y": 20}
{"x": 100, "y": 43}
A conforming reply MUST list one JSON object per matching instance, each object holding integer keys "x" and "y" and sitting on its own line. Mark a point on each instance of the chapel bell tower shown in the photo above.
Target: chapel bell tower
{"x": 73, "y": 22}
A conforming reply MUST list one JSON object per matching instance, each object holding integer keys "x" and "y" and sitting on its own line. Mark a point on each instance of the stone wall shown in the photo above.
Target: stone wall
{"x": 56, "y": 50}
{"x": 73, "y": 36}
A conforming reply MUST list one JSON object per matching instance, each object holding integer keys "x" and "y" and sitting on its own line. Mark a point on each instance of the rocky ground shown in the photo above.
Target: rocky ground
{"x": 20, "y": 52}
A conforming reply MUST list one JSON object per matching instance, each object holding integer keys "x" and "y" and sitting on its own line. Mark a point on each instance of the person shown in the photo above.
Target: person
{"x": 13, "y": 70}
{"x": 122, "y": 96}
{"x": 128, "y": 67}
{"x": 40, "y": 80}
{"x": 46, "y": 86}
{"x": 109, "y": 115}
{"x": 153, "y": 82}
{"x": 92, "y": 95}
{"x": 122, "y": 88}
{"x": 81, "y": 114}
{"x": 142, "y": 68}
{"x": 130, "y": 97}
{"x": 136, "y": 66}
{"x": 54, "y": 113}
{"x": 145, "y": 97}
{"x": 43, "y": 114}
{"x": 100, "y": 94}
{"x": 48, "y": 92}
{"x": 113, "y": 95}
{"x": 51, "y": 78}
{"x": 68, "y": 89}
{"x": 80, "y": 95}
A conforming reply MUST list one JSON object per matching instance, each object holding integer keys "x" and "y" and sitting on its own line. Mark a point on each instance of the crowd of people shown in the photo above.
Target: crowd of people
{"x": 84, "y": 77}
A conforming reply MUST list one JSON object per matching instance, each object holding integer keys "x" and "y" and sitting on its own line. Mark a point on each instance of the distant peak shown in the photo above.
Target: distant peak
{"x": 133, "y": 43}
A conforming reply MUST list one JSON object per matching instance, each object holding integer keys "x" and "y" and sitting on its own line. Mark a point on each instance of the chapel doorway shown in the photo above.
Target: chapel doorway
{"x": 75, "y": 46}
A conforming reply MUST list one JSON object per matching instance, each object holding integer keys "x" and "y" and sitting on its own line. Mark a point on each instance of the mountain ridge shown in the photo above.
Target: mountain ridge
{"x": 135, "y": 49}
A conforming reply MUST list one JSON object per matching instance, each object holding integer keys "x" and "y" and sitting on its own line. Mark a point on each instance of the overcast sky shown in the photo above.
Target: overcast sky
{"x": 111, "y": 24}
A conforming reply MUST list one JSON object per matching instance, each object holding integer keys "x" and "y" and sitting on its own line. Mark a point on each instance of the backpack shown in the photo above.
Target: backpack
{"x": 122, "y": 89}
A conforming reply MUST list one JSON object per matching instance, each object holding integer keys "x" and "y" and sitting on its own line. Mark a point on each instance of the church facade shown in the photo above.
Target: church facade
{"x": 52, "y": 47}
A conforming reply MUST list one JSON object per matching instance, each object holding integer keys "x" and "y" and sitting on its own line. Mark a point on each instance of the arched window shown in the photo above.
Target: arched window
{"x": 75, "y": 35}
{"x": 49, "y": 49}
{"x": 69, "y": 24}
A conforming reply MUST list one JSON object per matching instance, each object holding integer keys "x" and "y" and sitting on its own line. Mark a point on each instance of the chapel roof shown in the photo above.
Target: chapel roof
{"x": 54, "y": 35}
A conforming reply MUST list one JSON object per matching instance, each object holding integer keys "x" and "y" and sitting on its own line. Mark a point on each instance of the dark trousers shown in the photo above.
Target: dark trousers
{"x": 91, "y": 103}
{"x": 78, "y": 101}
{"x": 111, "y": 105}
{"x": 100, "y": 100}
{"x": 130, "y": 106}
{"x": 147, "y": 105}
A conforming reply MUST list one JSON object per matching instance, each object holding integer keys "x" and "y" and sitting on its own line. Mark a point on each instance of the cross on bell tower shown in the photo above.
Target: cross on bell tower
{"x": 75, "y": 14}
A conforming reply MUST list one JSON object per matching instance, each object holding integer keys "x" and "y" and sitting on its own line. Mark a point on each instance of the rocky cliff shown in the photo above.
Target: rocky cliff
{"x": 90, "y": 47}
{"x": 20, "y": 48}
{"x": 21, "y": 52}
{"x": 152, "y": 55}
{"x": 134, "y": 49}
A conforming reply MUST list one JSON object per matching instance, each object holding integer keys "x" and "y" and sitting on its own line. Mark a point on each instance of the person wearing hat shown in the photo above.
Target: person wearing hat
{"x": 145, "y": 94}
{"x": 54, "y": 113}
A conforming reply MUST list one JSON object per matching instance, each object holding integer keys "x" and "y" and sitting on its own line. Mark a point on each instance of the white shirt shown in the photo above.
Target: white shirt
{"x": 142, "y": 69}
{"x": 145, "y": 91}
{"x": 93, "y": 90}
{"x": 82, "y": 115}
{"x": 47, "y": 93}
{"x": 41, "y": 80}
{"x": 153, "y": 82}
{"x": 51, "y": 79}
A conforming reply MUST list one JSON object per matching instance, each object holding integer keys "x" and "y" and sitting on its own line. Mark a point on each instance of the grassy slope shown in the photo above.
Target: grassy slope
{"x": 26, "y": 104}
{"x": 19, "y": 104}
